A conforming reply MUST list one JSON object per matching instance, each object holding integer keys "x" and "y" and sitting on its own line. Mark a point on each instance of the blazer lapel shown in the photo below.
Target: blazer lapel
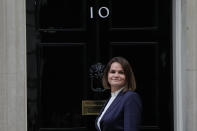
{"x": 103, "y": 107}
{"x": 114, "y": 103}
{"x": 101, "y": 113}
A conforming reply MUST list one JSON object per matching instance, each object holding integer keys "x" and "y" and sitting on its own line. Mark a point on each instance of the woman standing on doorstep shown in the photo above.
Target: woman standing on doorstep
{"x": 122, "y": 112}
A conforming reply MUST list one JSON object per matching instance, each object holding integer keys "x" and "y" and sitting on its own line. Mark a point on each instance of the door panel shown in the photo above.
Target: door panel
{"x": 56, "y": 107}
{"x": 134, "y": 14}
{"x": 64, "y": 14}
{"x": 68, "y": 44}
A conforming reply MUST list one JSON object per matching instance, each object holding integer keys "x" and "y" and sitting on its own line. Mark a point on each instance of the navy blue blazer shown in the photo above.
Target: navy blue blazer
{"x": 124, "y": 113}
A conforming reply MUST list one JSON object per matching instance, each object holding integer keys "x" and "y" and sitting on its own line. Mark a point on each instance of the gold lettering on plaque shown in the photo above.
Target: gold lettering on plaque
{"x": 92, "y": 107}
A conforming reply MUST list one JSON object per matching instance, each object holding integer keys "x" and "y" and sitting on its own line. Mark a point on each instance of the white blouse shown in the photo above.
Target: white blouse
{"x": 113, "y": 96}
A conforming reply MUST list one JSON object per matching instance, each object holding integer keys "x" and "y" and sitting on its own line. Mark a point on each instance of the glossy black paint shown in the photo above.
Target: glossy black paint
{"x": 63, "y": 42}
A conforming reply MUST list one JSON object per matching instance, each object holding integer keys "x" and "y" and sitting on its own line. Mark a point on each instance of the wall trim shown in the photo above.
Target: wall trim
{"x": 177, "y": 65}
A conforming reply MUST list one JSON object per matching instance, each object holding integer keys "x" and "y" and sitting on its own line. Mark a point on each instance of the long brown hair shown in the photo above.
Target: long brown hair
{"x": 130, "y": 78}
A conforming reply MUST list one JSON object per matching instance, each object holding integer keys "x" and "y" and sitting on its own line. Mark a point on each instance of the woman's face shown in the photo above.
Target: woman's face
{"x": 116, "y": 76}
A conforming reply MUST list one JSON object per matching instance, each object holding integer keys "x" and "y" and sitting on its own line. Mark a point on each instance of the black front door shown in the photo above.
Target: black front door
{"x": 68, "y": 44}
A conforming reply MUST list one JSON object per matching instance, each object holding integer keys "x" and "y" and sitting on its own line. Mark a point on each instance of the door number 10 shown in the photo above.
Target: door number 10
{"x": 100, "y": 10}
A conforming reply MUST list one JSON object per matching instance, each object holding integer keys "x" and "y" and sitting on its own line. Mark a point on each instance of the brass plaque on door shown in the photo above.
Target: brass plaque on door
{"x": 92, "y": 107}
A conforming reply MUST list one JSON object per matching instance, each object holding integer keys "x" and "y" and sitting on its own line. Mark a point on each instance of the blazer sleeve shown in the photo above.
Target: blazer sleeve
{"x": 132, "y": 112}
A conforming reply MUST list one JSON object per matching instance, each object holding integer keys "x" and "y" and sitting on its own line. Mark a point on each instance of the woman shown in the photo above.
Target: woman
{"x": 122, "y": 111}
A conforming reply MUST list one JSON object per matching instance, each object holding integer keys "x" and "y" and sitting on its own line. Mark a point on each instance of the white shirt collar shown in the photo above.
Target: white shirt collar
{"x": 114, "y": 94}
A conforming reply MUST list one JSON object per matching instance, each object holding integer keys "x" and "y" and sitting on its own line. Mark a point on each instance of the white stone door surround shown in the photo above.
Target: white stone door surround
{"x": 185, "y": 64}
{"x": 13, "y": 114}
